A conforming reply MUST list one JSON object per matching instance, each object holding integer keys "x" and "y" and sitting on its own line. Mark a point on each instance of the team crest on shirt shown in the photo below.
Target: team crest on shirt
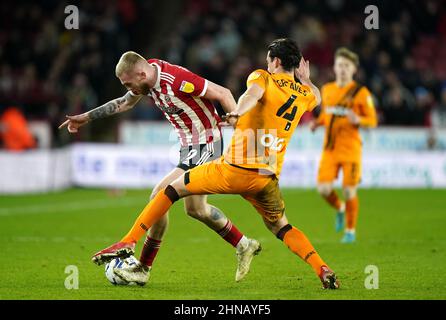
{"x": 168, "y": 107}
{"x": 187, "y": 87}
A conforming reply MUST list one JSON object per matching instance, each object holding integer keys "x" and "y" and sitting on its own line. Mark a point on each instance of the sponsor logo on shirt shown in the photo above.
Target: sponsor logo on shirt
{"x": 337, "y": 111}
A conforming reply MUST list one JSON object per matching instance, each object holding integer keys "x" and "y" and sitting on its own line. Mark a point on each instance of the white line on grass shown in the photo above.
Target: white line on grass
{"x": 86, "y": 205}
{"x": 72, "y": 206}
{"x": 79, "y": 205}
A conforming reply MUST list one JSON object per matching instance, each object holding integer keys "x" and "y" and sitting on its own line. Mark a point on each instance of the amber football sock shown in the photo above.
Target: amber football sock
{"x": 151, "y": 213}
{"x": 333, "y": 200}
{"x": 351, "y": 213}
{"x": 298, "y": 243}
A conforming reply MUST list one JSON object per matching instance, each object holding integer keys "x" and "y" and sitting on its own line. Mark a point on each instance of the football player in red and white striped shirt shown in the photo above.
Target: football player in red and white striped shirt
{"x": 185, "y": 99}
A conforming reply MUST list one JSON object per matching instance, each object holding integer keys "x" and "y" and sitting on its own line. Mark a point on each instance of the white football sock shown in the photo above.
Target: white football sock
{"x": 242, "y": 244}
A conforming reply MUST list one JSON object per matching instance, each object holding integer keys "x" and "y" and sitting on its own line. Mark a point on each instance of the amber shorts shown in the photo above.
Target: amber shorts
{"x": 329, "y": 168}
{"x": 220, "y": 177}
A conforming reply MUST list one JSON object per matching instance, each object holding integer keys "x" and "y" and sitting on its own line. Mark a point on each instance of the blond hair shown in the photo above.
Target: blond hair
{"x": 348, "y": 54}
{"x": 127, "y": 62}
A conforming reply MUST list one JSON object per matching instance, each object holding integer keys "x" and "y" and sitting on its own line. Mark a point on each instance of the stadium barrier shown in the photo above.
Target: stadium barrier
{"x": 381, "y": 139}
{"x": 108, "y": 165}
{"x": 35, "y": 171}
{"x": 122, "y": 166}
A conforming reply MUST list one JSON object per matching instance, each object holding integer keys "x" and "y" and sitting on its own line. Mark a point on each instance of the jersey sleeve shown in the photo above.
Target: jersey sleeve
{"x": 259, "y": 77}
{"x": 368, "y": 117}
{"x": 309, "y": 99}
{"x": 312, "y": 102}
{"x": 189, "y": 83}
{"x": 321, "y": 119}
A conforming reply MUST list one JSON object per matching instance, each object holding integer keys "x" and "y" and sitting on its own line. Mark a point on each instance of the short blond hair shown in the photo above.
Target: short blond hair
{"x": 347, "y": 54}
{"x": 127, "y": 62}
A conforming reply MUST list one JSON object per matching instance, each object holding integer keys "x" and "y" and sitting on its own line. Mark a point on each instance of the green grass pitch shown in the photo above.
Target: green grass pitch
{"x": 402, "y": 232}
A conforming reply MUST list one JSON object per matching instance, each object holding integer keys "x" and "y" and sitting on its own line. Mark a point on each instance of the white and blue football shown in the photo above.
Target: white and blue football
{"x": 119, "y": 263}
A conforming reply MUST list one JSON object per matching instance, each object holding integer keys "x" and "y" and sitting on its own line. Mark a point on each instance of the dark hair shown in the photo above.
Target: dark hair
{"x": 287, "y": 51}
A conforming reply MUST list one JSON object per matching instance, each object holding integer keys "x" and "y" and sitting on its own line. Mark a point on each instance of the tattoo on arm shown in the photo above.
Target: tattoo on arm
{"x": 111, "y": 107}
{"x": 103, "y": 111}
{"x": 216, "y": 214}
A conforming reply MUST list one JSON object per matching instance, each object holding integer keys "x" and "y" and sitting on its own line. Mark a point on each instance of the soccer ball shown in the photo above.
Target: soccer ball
{"x": 119, "y": 263}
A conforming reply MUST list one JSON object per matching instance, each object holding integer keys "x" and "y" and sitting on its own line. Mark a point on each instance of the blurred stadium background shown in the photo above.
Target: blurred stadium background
{"x": 47, "y": 72}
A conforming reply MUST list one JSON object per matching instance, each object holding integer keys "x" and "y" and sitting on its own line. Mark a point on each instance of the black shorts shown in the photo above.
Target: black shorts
{"x": 192, "y": 156}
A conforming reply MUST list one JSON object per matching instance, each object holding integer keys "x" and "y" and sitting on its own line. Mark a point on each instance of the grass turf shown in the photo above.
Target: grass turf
{"x": 402, "y": 232}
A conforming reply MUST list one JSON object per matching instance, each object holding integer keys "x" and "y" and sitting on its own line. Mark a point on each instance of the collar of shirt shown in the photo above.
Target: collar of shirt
{"x": 158, "y": 76}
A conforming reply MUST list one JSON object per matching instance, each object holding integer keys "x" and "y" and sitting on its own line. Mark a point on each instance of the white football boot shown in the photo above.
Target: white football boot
{"x": 244, "y": 258}
{"x": 138, "y": 273}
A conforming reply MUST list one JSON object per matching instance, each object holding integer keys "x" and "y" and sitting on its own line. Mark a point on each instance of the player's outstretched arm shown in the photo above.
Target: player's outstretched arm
{"x": 246, "y": 102}
{"x": 128, "y": 101}
{"x": 303, "y": 74}
{"x": 249, "y": 99}
{"x": 221, "y": 94}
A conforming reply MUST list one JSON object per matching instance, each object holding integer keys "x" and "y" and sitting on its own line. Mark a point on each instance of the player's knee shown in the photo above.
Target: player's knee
{"x": 275, "y": 223}
{"x": 349, "y": 192}
{"x": 155, "y": 192}
{"x": 197, "y": 211}
{"x": 324, "y": 189}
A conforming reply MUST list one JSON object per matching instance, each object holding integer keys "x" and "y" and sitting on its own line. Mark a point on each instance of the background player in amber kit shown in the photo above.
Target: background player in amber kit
{"x": 346, "y": 106}
{"x": 267, "y": 115}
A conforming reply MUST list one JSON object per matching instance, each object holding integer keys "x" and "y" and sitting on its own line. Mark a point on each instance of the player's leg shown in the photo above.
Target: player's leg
{"x": 328, "y": 171}
{"x": 208, "y": 178}
{"x": 155, "y": 235}
{"x": 350, "y": 182}
{"x": 351, "y": 213}
{"x": 299, "y": 244}
{"x": 152, "y": 212}
{"x": 326, "y": 190}
{"x": 189, "y": 157}
{"x": 152, "y": 243}
{"x": 198, "y": 208}
{"x": 208, "y": 181}
{"x": 269, "y": 203}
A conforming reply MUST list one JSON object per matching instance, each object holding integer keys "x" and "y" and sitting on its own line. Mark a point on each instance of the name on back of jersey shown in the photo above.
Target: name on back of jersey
{"x": 292, "y": 85}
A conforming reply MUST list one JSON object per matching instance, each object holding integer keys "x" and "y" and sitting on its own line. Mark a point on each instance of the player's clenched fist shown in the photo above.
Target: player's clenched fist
{"x": 314, "y": 125}
{"x": 230, "y": 119}
{"x": 353, "y": 117}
